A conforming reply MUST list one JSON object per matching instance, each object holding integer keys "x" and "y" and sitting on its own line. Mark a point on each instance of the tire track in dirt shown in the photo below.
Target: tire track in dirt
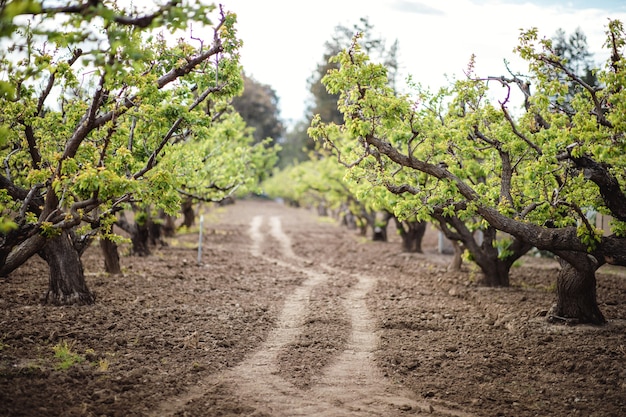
{"x": 352, "y": 386}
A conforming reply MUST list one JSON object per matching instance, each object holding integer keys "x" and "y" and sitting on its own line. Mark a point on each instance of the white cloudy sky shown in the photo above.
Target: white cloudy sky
{"x": 284, "y": 40}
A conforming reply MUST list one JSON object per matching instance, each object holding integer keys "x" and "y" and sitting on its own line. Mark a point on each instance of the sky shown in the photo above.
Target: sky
{"x": 283, "y": 41}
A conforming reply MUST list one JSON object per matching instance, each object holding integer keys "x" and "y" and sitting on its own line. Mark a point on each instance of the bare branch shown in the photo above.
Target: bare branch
{"x": 75, "y": 55}
{"x": 599, "y": 110}
{"x": 93, "y": 7}
{"x": 517, "y": 133}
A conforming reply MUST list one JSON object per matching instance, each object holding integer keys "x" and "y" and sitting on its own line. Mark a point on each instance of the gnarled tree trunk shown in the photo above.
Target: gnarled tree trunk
{"x": 66, "y": 283}
{"x": 494, "y": 266}
{"x": 411, "y": 233}
{"x": 576, "y": 290}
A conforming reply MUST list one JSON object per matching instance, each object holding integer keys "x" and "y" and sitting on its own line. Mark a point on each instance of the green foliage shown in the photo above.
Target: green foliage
{"x": 456, "y": 151}
{"x": 589, "y": 239}
{"x": 65, "y": 355}
{"x": 141, "y": 118}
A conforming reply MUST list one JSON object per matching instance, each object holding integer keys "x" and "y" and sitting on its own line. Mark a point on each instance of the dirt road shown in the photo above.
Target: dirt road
{"x": 351, "y": 385}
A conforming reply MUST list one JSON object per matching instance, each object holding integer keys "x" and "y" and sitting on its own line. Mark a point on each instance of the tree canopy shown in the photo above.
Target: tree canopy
{"x": 106, "y": 105}
{"x": 459, "y": 153}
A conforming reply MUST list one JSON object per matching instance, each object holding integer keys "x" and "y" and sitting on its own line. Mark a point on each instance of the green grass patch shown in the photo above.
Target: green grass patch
{"x": 65, "y": 356}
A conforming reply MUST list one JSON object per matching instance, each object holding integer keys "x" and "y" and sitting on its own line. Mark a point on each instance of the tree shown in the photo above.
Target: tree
{"x": 298, "y": 145}
{"x": 94, "y": 98}
{"x": 494, "y": 254}
{"x": 258, "y": 105}
{"x": 324, "y": 102}
{"x": 575, "y": 56}
{"x": 532, "y": 176}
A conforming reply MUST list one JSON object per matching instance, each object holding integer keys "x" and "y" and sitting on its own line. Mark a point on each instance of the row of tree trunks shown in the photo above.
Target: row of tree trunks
{"x": 576, "y": 281}
{"x": 111, "y": 257}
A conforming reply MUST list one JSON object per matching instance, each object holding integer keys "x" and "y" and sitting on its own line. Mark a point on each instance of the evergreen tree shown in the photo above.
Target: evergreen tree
{"x": 298, "y": 144}
{"x": 574, "y": 68}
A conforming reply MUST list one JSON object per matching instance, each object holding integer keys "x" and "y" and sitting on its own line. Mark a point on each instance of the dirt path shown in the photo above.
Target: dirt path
{"x": 351, "y": 386}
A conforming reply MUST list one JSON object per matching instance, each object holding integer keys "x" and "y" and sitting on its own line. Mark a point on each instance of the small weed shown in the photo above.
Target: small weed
{"x": 66, "y": 357}
{"x": 103, "y": 365}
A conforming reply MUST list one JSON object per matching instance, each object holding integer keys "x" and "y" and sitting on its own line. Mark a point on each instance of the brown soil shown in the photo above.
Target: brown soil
{"x": 292, "y": 315}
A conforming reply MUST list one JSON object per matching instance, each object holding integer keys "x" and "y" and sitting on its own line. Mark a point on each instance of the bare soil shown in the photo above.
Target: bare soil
{"x": 289, "y": 314}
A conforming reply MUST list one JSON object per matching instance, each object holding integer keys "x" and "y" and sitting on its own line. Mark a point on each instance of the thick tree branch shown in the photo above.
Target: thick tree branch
{"x": 44, "y": 95}
{"x": 600, "y": 111}
{"x": 93, "y": 8}
{"x": 599, "y": 173}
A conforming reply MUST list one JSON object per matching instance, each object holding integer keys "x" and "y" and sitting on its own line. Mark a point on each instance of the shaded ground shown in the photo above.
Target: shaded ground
{"x": 289, "y": 315}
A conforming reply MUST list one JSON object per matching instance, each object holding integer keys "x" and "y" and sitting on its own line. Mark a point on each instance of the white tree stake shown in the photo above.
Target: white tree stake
{"x": 200, "y": 239}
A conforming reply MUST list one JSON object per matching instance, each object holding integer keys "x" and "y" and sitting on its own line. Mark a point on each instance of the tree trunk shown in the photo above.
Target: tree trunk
{"x": 169, "y": 224}
{"x": 111, "y": 256}
{"x": 412, "y": 233}
{"x": 139, "y": 232}
{"x": 348, "y": 220}
{"x": 140, "y": 239}
{"x": 322, "y": 210}
{"x": 67, "y": 283}
{"x": 576, "y": 290}
{"x": 155, "y": 232}
{"x": 189, "y": 216}
{"x": 495, "y": 271}
{"x": 494, "y": 266}
{"x": 379, "y": 234}
{"x": 379, "y": 228}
